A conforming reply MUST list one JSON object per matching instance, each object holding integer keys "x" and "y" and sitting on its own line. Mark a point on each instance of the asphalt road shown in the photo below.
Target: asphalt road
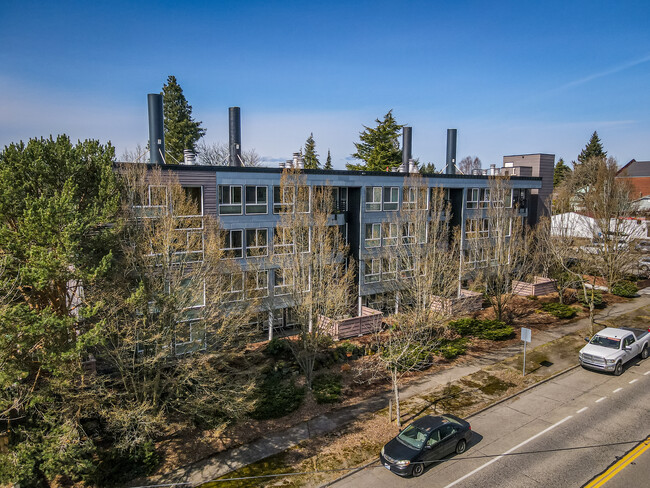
{"x": 560, "y": 434}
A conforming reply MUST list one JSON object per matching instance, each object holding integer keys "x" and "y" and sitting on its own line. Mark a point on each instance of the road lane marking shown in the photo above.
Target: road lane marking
{"x": 646, "y": 373}
{"x": 509, "y": 451}
{"x": 620, "y": 465}
{"x": 600, "y": 399}
{"x": 634, "y": 380}
{"x": 617, "y": 390}
{"x": 582, "y": 409}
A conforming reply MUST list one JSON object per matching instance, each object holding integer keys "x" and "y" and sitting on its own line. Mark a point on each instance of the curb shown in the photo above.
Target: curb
{"x": 481, "y": 410}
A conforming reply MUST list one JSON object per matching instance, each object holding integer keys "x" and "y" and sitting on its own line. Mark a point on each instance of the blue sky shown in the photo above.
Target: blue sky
{"x": 512, "y": 77}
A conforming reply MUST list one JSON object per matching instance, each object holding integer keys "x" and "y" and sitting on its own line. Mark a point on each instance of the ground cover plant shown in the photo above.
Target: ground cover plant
{"x": 493, "y": 330}
{"x": 559, "y": 310}
{"x": 327, "y": 388}
{"x": 624, "y": 288}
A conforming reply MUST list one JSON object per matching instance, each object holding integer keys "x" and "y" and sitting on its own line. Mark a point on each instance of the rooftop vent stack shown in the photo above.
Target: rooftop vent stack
{"x": 452, "y": 135}
{"x": 156, "y": 129}
{"x": 407, "y": 143}
{"x": 281, "y": 164}
{"x": 493, "y": 169}
{"x": 476, "y": 172}
{"x": 234, "y": 125}
{"x": 413, "y": 167}
{"x": 189, "y": 157}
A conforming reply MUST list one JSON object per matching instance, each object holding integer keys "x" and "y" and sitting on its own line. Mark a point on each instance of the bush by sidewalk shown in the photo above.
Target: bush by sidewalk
{"x": 559, "y": 310}
{"x": 493, "y": 330}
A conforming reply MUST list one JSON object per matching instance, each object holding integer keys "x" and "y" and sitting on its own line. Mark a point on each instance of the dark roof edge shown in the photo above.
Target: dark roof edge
{"x": 263, "y": 169}
{"x": 529, "y": 154}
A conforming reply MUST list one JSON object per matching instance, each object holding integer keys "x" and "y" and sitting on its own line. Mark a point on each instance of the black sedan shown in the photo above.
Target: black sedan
{"x": 425, "y": 441}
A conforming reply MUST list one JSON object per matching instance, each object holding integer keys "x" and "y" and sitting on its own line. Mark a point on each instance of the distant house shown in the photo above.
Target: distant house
{"x": 573, "y": 224}
{"x": 637, "y": 173}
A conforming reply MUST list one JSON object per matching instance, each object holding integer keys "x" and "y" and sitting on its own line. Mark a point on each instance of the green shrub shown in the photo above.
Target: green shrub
{"x": 559, "y": 310}
{"x": 498, "y": 334}
{"x": 532, "y": 297}
{"x": 464, "y": 327}
{"x": 454, "y": 348}
{"x": 327, "y": 388}
{"x": 118, "y": 467}
{"x": 417, "y": 357}
{"x": 598, "y": 298}
{"x": 278, "y": 349}
{"x": 277, "y": 397}
{"x": 624, "y": 288}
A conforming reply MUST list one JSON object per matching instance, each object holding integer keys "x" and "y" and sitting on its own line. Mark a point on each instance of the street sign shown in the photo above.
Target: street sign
{"x": 525, "y": 334}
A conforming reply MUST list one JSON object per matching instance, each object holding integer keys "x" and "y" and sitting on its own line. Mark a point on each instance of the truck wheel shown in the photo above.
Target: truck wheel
{"x": 418, "y": 469}
{"x": 618, "y": 370}
{"x": 644, "y": 352}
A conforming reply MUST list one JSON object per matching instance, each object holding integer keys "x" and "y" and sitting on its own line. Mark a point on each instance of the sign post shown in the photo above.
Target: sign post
{"x": 526, "y": 337}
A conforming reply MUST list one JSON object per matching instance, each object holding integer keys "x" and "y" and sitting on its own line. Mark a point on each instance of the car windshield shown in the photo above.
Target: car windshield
{"x": 412, "y": 437}
{"x": 610, "y": 342}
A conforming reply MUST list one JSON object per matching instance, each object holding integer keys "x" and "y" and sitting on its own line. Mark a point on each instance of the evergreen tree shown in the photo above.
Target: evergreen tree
{"x": 311, "y": 156}
{"x": 181, "y": 130}
{"x": 560, "y": 172}
{"x": 328, "y": 162}
{"x": 594, "y": 149}
{"x": 379, "y": 147}
{"x": 428, "y": 169}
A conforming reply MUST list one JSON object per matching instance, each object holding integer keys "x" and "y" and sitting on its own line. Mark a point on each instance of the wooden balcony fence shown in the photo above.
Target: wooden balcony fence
{"x": 368, "y": 322}
{"x": 539, "y": 286}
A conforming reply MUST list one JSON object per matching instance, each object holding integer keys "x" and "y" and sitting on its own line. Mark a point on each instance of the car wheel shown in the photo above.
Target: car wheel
{"x": 418, "y": 469}
{"x": 644, "y": 353}
{"x": 618, "y": 370}
{"x": 461, "y": 446}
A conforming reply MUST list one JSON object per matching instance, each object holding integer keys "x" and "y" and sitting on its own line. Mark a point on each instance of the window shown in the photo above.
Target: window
{"x": 230, "y": 200}
{"x": 303, "y": 201}
{"x": 484, "y": 198}
{"x": 303, "y": 235}
{"x": 373, "y": 235}
{"x": 234, "y": 285}
{"x": 257, "y": 243}
{"x": 471, "y": 229}
{"x": 406, "y": 266}
{"x": 257, "y": 284}
{"x": 157, "y": 196}
{"x": 283, "y": 282}
{"x": 343, "y": 231}
{"x": 519, "y": 198}
{"x": 153, "y": 203}
{"x": 343, "y": 200}
{"x": 372, "y": 270}
{"x": 409, "y": 200}
{"x": 283, "y": 241}
{"x": 472, "y": 197}
{"x": 188, "y": 247}
{"x": 391, "y": 198}
{"x": 283, "y": 199}
{"x": 408, "y": 233}
{"x": 256, "y": 200}
{"x": 373, "y": 199}
{"x": 389, "y": 268}
{"x": 194, "y": 197}
{"x": 232, "y": 246}
{"x": 484, "y": 228}
{"x": 390, "y": 234}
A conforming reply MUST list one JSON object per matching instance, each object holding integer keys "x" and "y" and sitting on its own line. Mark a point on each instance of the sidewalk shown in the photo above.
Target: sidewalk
{"x": 227, "y": 461}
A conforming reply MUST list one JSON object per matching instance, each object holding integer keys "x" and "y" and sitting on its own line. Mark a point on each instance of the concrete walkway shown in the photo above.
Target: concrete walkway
{"x": 233, "y": 459}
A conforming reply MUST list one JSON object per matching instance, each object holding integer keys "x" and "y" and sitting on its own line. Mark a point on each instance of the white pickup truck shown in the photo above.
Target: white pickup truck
{"x": 611, "y": 348}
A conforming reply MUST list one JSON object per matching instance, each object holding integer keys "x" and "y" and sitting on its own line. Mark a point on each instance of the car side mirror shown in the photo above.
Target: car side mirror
{"x": 586, "y": 339}
{"x": 627, "y": 348}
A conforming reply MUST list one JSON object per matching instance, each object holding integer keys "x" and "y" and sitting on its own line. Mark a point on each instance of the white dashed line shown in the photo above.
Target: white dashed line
{"x": 507, "y": 452}
{"x": 634, "y": 381}
{"x": 600, "y": 399}
{"x": 617, "y": 390}
{"x": 582, "y": 409}
{"x": 646, "y": 373}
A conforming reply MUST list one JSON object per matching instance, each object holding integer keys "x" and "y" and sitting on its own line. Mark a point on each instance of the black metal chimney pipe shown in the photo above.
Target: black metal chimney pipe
{"x": 407, "y": 142}
{"x": 156, "y": 129}
{"x": 451, "y": 151}
{"x": 234, "y": 124}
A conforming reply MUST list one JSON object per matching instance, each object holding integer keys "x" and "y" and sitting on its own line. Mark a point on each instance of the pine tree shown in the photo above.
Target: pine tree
{"x": 328, "y": 162}
{"x": 311, "y": 156}
{"x": 181, "y": 130}
{"x": 379, "y": 147}
{"x": 594, "y": 149}
{"x": 428, "y": 169}
{"x": 560, "y": 172}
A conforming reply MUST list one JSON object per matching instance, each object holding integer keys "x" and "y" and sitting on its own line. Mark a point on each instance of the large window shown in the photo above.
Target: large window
{"x": 390, "y": 234}
{"x": 304, "y": 200}
{"x": 391, "y": 198}
{"x": 408, "y": 233}
{"x": 484, "y": 198}
{"x": 389, "y": 268}
{"x": 283, "y": 282}
{"x": 232, "y": 245}
{"x": 372, "y": 270}
{"x": 472, "y": 197}
{"x": 519, "y": 198}
{"x": 471, "y": 229}
{"x": 484, "y": 228}
{"x": 283, "y": 241}
{"x": 283, "y": 199}
{"x": 194, "y": 196}
{"x": 256, "y": 200}
{"x": 234, "y": 287}
{"x": 257, "y": 243}
{"x": 303, "y": 241}
{"x": 373, "y": 235}
{"x": 373, "y": 199}
{"x": 230, "y": 201}
{"x": 257, "y": 284}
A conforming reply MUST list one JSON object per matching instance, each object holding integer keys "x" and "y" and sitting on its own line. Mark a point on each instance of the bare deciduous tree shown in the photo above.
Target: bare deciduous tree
{"x": 469, "y": 163}
{"x": 217, "y": 154}
{"x": 311, "y": 266}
